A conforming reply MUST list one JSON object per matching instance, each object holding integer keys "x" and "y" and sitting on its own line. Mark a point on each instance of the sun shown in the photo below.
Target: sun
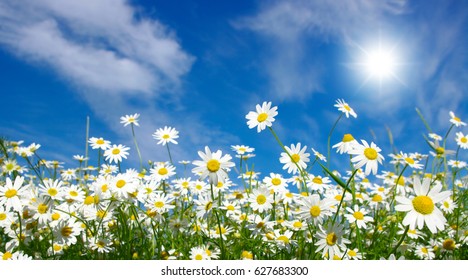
{"x": 381, "y": 63}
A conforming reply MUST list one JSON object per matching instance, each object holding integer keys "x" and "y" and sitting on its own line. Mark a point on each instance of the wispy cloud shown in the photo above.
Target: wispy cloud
{"x": 102, "y": 45}
{"x": 293, "y": 62}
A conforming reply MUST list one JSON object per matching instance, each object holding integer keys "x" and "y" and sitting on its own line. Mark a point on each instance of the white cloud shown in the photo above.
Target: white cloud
{"x": 97, "y": 44}
{"x": 293, "y": 68}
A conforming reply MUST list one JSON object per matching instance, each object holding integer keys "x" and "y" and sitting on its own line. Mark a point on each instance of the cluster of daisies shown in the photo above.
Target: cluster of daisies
{"x": 226, "y": 211}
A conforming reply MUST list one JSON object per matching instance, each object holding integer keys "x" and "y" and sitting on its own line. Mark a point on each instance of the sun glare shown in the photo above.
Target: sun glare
{"x": 380, "y": 63}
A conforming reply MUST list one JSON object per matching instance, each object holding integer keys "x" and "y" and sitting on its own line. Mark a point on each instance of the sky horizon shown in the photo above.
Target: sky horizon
{"x": 202, "y": 66}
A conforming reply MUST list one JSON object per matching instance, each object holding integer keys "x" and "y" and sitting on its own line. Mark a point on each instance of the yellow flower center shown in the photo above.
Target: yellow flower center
{"x": 463, "y": 140}
{"x": 377, "y": 198}
{"x": 208, "y": 206}
{"x": 370, "y": 153}
{"x": 2, "y": 216}
{"x": 358, "y": 215}
{"x": 409, "y": 160}
{"x": 283, "y": 238}
{"x": 457, "y": 119}
{"x": 66, "y": 231}
{"x": 52, "y": 192}
{"x": 412, "y": 231}
{"x": 230, "y": 208}
{"x": 352, "y": 253}
{"x": 42, "y": 208}
{"x": 10, "y": 193}
{"x": 262, "y": 117}
{"x": 347, "y": 138}
{"x": 6, "y": 256}
{"x": 55, "y": 216}
{"x": 166, "y": 136}
{"x": 338, "y": 197}
{"x": 115, "y": 151}
{"x": 314, "y": 211}
{"x": 89, "y": 200}
{"x": 223, "y": 230}
{"x": 247, "y": 255}
{"x": 317, "y": 180}
{"x": 423, "y": 204}
{"x": 100, "y": 142}
{"x": 10, "y": 166}
{"x": 73, "y": 193}
{"x": 159, "y": 204}
{"x": 440, "y": 150}
{"x": 449, "y": 244}
{"x": 104, "y": 188}
{"x": 289, "y": 195}
{"x": 400, "y": 181}
{"x": 424, "y": 250}
{"x": 297, "y": 224}
{"x": 295, "y": 158}
{"x": 57, "y": 247}
{"x": 213, "y": 165}
{"x": 347, "y": 108}
{"x": 261, "y": 199}
{"x": 120, "y": 184}
{"x": 446, "y": 204}
{"x": 162, "y": 171}
{"x": 331, "y": 239}
{"x": 198, "y": 257}
{"x": 276, "y": 181}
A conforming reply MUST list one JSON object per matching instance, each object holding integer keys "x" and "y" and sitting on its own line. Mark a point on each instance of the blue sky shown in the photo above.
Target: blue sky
{"x": 201, "y": 66}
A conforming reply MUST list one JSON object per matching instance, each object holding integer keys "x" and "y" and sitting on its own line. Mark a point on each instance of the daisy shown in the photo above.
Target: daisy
{"x": 367, "y": 155}
{"x": 99, "y": 143}
{"x": 116, "y": 153}
{"x": 457, "y": 164}
{"x": 102, "y": 245}
{"x": 160, "y": 203}
{"x": 346, "y": 145}
{"x": 130, "y": 119}
{"x": 424, "y": 252}
{"x": 241, "y": 149}
{"x": 319, "y": 155}
{"x": 456, "y": 120}
{"x": 462, "y": 140}
{"x": 275, "y": 182}
{"x": 422, "y": 209}
{"x": 284, "y": 239}
{"x": 344, "y": 107}
{"x": 214, "y": 165}
{"x": 68, "y": 174}
{"x": 353, "y": 254}
{"x": 263, "y": 117}
{"x": 447, "y": 206}
{"x": 11, "y": 194}
{"x": 261, "y": 200}
{"x": 166, "y": 135}
{"x": 41, "y": 208}
{"x": 358, "y": 215}
{"x": 315, "y": 210}
{"x": 66, "y": 231}
{"x": 295, "y": 158}
{"x": 198, "y": 253}
{"x": 204, "y": 206}
{"x": 73, "y": 193}
{"x": 10, "y": 165}
{"x": 122, "y": 185}
{"x": 331, "y": 241}
{"x": 318, "y": 183}
{"x": 162, "y": 171}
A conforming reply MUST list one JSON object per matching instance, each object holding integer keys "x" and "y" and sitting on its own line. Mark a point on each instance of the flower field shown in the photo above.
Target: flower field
{"x": 97, "y": 210}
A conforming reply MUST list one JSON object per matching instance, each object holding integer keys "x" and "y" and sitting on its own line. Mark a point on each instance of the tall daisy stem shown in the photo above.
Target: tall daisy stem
{"x": 136, "y": 145}
{"x": 169, "y": 152}
{"x": 329, "y": 138}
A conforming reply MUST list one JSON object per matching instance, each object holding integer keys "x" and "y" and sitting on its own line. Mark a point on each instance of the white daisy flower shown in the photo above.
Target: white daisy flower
{"x": 166, "y": 135}
{"x": 367, "y": 155}
{"x": 263, "y": 117}
{"x": 344, "y": 107}
{"x": 358, "y": 215}
{"x": 130, "y": 119}
{"x": 214, "y": 165}
{"x": 462, "y": 140}
{"x": 346, "y": 145}
{"x": 456, "y": 120}
{"x": 297, "y": 157}
{"x": 116, "y": 153}
{"x": 422, "y": 208}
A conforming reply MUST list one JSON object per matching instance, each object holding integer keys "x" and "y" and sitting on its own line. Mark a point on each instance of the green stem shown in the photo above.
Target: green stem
{"x": 399, "y": 242}
{"x": 136, "y": 145}
{"x": 329, "y": 138}
{"x": 169, "y": 152}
